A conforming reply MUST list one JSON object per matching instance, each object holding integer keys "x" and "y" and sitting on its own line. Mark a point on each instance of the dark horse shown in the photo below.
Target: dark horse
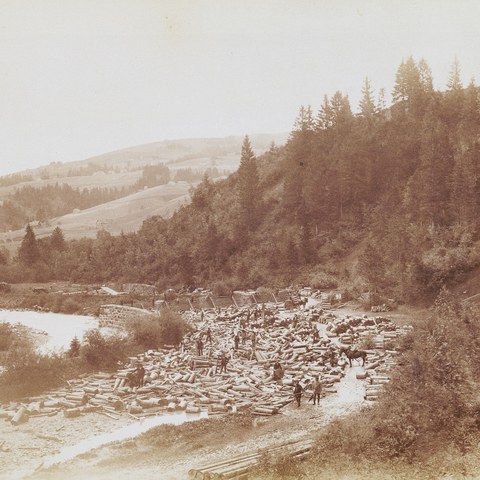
{"x": 353, "y": 354}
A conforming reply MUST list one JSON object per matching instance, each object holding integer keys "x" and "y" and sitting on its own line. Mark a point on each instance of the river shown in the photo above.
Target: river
{"x": 59, "y": 328}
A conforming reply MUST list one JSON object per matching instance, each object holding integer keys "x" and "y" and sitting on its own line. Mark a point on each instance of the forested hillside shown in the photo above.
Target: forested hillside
{"x": 387, "y": 200}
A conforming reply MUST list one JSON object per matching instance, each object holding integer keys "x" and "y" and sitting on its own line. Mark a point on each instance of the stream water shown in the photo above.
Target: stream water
{"x": 59, "y": 328}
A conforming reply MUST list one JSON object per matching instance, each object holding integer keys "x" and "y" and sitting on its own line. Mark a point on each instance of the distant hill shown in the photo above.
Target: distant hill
{"x": 123, "y": 167}
{"x": 123, "y": 215}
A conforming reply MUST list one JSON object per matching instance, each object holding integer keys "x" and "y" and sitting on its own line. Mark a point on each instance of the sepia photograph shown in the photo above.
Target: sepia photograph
{"x": 239, "y": 240}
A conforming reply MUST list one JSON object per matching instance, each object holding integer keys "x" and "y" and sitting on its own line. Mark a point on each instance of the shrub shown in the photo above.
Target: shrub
{"x": 71, "y": 306}
{"x": 222, "y": 288}
{"x": 173, "y": 327}
{"x": 323, "y": 281}
{"x": 103, "y": 352}
{"x": 146, "y": 332}
{"x": 430, "y": 405}
{"x": 29, "y": 373}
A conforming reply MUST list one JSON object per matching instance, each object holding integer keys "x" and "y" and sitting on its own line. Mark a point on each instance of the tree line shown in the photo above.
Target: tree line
{"x": 394, "y": 189}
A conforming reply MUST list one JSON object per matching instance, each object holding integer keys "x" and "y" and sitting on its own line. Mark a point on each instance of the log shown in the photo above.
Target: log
{"x": 20, "y": 416}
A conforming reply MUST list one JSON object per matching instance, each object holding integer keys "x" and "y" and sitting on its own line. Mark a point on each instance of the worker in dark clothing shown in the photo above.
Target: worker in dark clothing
{"x": 199, "y": 347}
{"x": 223, "y": 363}
{"x": 277, "y": 371}
{"x": 209, "y": 336}
{"x": 297, "y": 392}
{"x": 236, "y": 340}
{"x": 317, "y": 391}
{"x": 139, "y": 374}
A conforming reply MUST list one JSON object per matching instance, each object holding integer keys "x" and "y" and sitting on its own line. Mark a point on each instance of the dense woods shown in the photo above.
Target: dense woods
{"x": 386, "y": 199}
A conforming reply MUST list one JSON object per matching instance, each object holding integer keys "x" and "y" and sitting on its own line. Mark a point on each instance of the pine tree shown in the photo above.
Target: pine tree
{"x": 341, "y": 111}
{"x": 74, "y": 350}
{"x": 426, "y": 79}
{"x": 249, "y": 195}
{"x": 454, "y": 82}
{"x": 407, "y": 83}
{"x": 400, "y": 90}
{"x": 324, "y": 118}
{"x": 28, "y": 253}
{"x": 367, "y": 104}
{"x": 304, "y": 122}
{"x": 57, "y": 240}
{"x": 381, "y": 102}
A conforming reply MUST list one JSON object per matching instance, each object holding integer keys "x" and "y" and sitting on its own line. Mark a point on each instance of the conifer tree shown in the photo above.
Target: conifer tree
{"x": 57, "y": 240}
{"x": 367, "y": 104}
{"x": 249, "y": 196}
{"x": 426, "y": 79}
{"x": 381, "y": 102}
{"x": 454, "y": 82}
{"x": 324, "y": 118}
{"x": 28, "y": 253}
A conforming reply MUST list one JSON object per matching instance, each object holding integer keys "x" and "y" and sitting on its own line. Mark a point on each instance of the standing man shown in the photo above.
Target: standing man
{"x": 297, "y": 392}
{"x": 236, "y": 340}
{"x": 209, "y": 336}
{"x": 317, "y": 391}
{"x": 223, "y": 363}
{"x": 200, "y": 347}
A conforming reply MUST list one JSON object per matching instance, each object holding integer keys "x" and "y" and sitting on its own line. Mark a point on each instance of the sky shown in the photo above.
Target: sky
{"x": 84, "y": 77}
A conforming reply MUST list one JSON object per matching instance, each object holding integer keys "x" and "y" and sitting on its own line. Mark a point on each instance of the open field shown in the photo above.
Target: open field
{"x": 124, "y": 214}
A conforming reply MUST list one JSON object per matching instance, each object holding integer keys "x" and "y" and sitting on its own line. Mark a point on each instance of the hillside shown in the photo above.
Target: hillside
{"x": 123, "y": 167}
{"x": 386, "y": 201}
{"x": 122, "y": 215}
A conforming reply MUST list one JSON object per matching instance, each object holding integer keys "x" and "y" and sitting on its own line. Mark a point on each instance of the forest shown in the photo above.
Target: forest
{"x": 384, "y": 200}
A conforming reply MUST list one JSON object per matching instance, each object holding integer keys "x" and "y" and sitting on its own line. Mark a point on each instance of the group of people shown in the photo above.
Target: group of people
{"x": 316, "y": 389}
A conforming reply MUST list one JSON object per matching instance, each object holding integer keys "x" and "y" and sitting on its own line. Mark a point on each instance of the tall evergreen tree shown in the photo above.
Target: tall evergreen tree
{"x": 28, "y": 253}
{"x": 367, "y": 103}
{"x": 454, "y": 82}
{"x": 324, "y": 118}
{"x": 249, "y": 195}
{"x": 57, "y": 240}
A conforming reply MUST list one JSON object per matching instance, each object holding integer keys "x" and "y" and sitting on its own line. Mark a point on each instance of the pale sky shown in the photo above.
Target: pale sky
{"x": 85, "y": 77}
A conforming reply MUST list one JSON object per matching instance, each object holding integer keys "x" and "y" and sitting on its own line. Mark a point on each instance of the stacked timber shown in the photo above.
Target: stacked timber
{"x": 239, "y": 466}
{"x": 304, "y": 342}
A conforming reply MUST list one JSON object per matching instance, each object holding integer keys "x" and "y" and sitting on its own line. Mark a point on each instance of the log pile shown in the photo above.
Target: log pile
{"x": 239, "y": 466}
{"x": 305, "y": 342}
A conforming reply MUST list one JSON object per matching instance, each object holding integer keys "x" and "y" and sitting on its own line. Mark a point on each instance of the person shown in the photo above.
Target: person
{"x": 297, "y": 392}
{"x": 139, "y": 374}
{"x": 223, "y": 363}
{"x": 277, "y": 371}
{"x": 333, "y": 358}
{"x": 200, "y": 347}
{"x": 317, "y": 391}
{"x": 236, "y": 340}
{"x": 209, "y": 336}
{"x": 254, "y": 339}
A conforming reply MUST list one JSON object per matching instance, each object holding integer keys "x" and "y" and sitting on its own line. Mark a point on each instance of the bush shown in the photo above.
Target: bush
{"x": 431, "y": 404}
{"x": 173, "y": 327}
{"x": 323, "y": 281}
{"x": 222, "y": 288}
{"x": 71, "y": 306}
{"x": 103, "y": 352}
{"x": 146, "y": 332}
{"x": 29, "y": 373}
{"x": 153, "y": 332}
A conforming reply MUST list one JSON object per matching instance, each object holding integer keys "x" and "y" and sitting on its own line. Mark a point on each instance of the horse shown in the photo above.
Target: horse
{"x": 353, "y": 354}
